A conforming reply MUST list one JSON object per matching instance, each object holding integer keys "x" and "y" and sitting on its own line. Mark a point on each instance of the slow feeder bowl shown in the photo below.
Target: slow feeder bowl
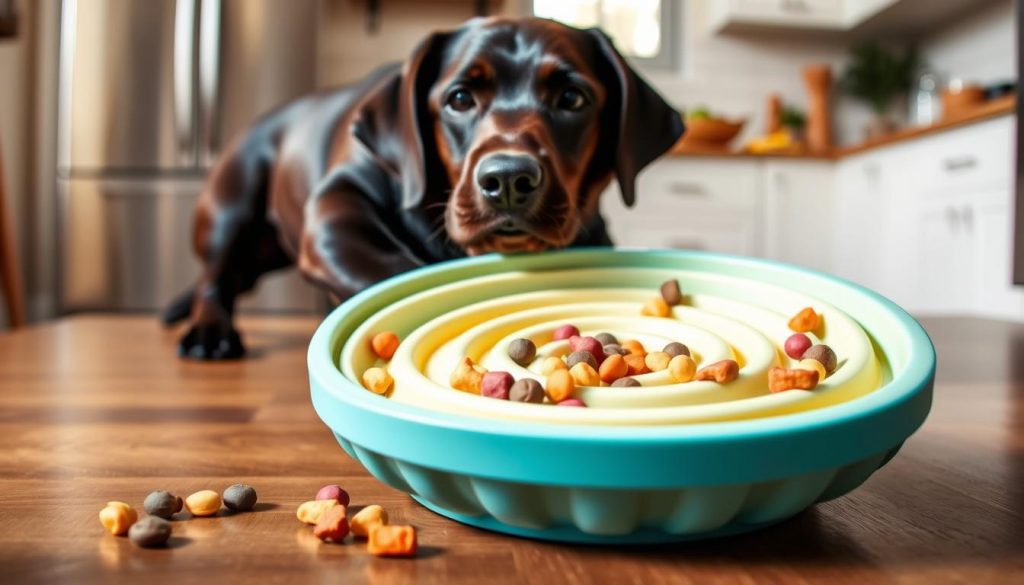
{"x": 663, "y": 462}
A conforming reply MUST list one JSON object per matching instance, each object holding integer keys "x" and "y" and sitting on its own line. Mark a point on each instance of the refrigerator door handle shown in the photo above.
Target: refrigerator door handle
{"x": 209, "y": 77}
{"x": 184, "y": 74}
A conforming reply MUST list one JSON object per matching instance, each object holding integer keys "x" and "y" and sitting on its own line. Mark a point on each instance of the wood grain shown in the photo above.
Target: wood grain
{"x": 97, "y": 408}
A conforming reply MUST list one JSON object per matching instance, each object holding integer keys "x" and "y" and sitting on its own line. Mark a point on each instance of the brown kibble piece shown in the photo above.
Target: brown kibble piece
{"x": 581, "y": 356}
{"x": 625, "y": 383}
{"x": 528, "y": 390}
{"x": 675, "y": 348}
{"x": 522, "y": 351}
{"x": 781, "y": 379}
{"x": 392, "y": 541}
{"x": 804, "y": 321}
{"x": 671, "y": 293}
{"x": 607, "y": 338}
{"x": 722, "y": 372}
{"x": 385, "y": 344}
{"x": 332, "y": 525}
{"x": 823, "y": 354}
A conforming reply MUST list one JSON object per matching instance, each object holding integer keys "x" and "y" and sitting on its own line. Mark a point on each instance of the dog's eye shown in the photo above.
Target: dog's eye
{"x": 571, "y": 99}
{"x": 460, "y": 100}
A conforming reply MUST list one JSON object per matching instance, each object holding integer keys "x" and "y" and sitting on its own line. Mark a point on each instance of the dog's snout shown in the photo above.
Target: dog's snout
{"x": 509, "y": 182}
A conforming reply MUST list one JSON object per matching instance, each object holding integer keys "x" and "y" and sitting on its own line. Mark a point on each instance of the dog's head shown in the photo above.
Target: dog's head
{"x": 518, "y": 125}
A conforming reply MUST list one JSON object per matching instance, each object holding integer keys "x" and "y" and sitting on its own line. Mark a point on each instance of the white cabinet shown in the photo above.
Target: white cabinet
{"x": 834, "y": 15}
{"x": 798, "y": 201}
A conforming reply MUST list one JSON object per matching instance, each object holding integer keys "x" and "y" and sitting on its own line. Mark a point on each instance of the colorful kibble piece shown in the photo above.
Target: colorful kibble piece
{"x": 823, "y": 354}
{"x": 796, "y": 345}
{"x": 722, "y": 372}
{"x": 550, "y": 364}
{"x": 671, "y": 293}
{"x": 572, "y": 402}
{"x": 150, "y": 532}
{"x": 584, "y": 374}
{"x": 580, "y": 357}
{"x": 332, "y": 524}
{"x": 782, "y": 379}
{"x": 656, "y": 307}
{"x": 467, "y": 376}
{"x": 496, "y": 385}
{"x": 377, "y": 380}
{"x": 804, "y": 321}
{"x": 392, "y": 541}
{"x": 118, "y": 517}
{"x": 366, "y": 519}
{"x": 590, "y": 344}
{"x": 565, "y": 332}
{"x": 203, "y": 503}
{"x": 385, "y": 344}
{"x": 522, "y": 351}
{"x": 162, "y": 504}
{"x": 240, "y": 497}
{"x": 333, "y": 492}
{"x": 675, "y": 348}
{"x": 633, "y": 346}
{"x": 814, "y": 365}
{"x": 682, "y": 368}
{"x": 614, "y": 349}
{"x": 528, "y": 390}
{"x": 625, "y": 383}
{"x": 606, "y": 339}
{"x": 560, "y": 385}
{"x": 657, "y": 361}
{"x": 636, "y": 364}
{"x": 310, "y": 512}
{"x": 612, "y": 368}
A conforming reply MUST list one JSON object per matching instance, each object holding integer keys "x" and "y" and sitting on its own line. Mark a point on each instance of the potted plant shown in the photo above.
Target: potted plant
{"x": 877, "y": 75}
{"x": 793, "y": 120}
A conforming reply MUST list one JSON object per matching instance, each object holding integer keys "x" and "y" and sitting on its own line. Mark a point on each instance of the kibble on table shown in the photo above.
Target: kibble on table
{"x": 332, "y": 524}
{"x": 310, "y": 512}
{"x": 162, "y": 503}
{"x": 333, "y": 492}
{"x": 203, "y": 503}
{"x": 240, "y": 497}
{"x": 367, "y": 518}
{"x": 150, "y": 532}
{"x": 392, "y": 541}
{"x": 117, "y": 517}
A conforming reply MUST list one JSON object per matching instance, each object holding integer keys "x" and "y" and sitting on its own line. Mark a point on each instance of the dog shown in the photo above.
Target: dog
{"x": 495, "y": 137}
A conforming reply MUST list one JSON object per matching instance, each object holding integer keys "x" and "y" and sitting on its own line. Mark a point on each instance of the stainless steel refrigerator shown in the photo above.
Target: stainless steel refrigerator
{"x": 150, "y": 90}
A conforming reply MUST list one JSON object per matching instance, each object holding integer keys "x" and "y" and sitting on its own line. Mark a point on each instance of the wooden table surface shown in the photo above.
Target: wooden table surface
{"x": 97, "y": 408}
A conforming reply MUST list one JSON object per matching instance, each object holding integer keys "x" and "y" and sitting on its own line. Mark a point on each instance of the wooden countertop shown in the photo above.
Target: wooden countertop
{"x": 97, "y": 408}
{"x": 1002, "y": 106}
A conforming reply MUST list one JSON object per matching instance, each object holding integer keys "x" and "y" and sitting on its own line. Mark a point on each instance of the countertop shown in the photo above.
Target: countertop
{"x": 98, "y": 408}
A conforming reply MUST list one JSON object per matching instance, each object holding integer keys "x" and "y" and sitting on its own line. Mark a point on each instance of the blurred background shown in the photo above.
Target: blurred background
{"x": 873, "y": 139}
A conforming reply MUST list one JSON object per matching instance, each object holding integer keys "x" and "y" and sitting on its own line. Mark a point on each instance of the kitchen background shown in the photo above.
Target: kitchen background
{"x": 111, "y": 110}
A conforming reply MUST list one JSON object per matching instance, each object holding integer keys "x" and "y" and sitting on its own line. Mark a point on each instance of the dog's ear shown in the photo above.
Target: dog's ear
{"x": 637, "y": 121}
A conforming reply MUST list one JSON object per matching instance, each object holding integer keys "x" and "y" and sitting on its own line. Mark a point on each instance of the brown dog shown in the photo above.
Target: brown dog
{"x": 498, "y": 136}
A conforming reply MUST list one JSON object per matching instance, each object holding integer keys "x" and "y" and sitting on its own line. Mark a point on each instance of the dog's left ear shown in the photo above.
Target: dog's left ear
{"x": 637, "y": 120}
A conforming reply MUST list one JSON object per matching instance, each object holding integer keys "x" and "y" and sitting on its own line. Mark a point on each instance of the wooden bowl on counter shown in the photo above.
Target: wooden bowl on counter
{"x": 709, "y": 134}
{"x": 958, "y": 102}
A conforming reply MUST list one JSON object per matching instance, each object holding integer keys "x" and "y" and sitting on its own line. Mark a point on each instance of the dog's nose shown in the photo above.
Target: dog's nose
{"x": 509, "y": 182}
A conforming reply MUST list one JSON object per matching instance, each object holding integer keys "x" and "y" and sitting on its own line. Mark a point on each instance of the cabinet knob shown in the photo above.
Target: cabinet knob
{"x": 960, "y": 163}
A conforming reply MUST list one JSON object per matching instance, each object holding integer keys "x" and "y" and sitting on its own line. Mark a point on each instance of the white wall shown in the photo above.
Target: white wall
{"x": 980, "y": 48}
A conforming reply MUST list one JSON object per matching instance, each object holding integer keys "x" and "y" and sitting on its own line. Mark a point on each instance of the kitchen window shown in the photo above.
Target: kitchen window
{"x": 643, "y": 30}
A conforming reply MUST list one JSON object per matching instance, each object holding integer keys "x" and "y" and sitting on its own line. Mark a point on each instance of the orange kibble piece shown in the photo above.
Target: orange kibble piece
{"x": 467, "y": 376}
{"x": 815, "y": 366}
{"x": 560, "y": 385}
{"x": 722, "y": 372}
{"x": 332, "y": 524}
{"x": 550, "y": 364}
{"x": 612, "y": 368}
{"x": 804, "y": 321}
{"x": 392, "y": 541}
{"x": 656, "y": 307}
{"x": 635, "y": 364}
{"x": 682, "y": 368}
{"x": 781, "y": 379}
{"x": 657, "y": 361}
{"x": 118, "y": 517}
{"x": 384, "y": 344}
{"x": 583, "y": 374}
{"x": 377, "y": 380}
{"x": 633, "y": 346}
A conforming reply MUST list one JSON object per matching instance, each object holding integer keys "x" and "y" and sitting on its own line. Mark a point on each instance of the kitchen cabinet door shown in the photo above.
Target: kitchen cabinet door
{"x": 798, "y": 213}
{"x": 946, "y": 272}
{"x": 990, "y": 224}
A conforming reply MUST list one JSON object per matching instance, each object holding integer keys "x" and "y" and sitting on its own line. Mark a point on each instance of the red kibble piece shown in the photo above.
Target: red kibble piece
{"x": 572, "y": 402}
{"x": 591, "y": 344}
{"x": 333, "y": 492}
{"x": 496, "y": 385}
{"x": 565, "y": 332}
{"x": 796, "y": 345}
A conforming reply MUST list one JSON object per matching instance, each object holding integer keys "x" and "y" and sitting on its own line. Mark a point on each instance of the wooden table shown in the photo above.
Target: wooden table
{"x": 97, "y": 408}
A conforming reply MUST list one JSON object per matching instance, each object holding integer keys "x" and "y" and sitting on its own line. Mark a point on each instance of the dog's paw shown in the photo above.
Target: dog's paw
{"x": 216, "y": 341}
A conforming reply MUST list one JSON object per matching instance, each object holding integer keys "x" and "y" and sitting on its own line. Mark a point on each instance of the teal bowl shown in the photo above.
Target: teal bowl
{"x": 627, "y": 484}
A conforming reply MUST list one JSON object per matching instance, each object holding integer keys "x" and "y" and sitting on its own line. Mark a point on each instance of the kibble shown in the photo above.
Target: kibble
{"x": 560, "y": 385}
{"x": 550, "y": 364}
{"x": 804, "y": 321}
{"x": 240, "y": 497}
{"x": 813, "y": 365}
{"x": 203, "y": 503}
{"x": 162, "y": 503}
{"x": 612, "y": 368}
{"x": 572, "y": 402}
{"x": 675, "y": 349}
{"x": 633, "y": 346}
{"x": 656, "y": 307}
{"x": 522, "y": 351}
{"x": 670, "y": 292}
{"x": 722, "y": 372}
{"x": 117, "y": 517}
{"x": 392, "y": 541}
{"x": 796, "y": 345}
{"x": 657, "y": 361}
{"x": 606, "y": 338}
{"x": 614, "y": 349}
{"x": 823, "y": 354}
{"x": 590, "y": 344}
{"x": 333, "y": 492}
{"x": 366, "y": 519}
{"x": 782, "y": 379}
{"x": 527, "y": 390}
{"x": 682, "y": 368}
{"x": 377, "y": 380}
{"x": 583, "y": 374}
{"x": 467, "y": 376}
{"x": 310, "y": 512}
{"x": 150, "y": 532}
{"x": 496, "y": 385}
{"x": 580, "y": 357}
{"x": 625, "y": 383}
{"x": 565, "y": 332}
{"x": 385, "y": 344}
{"x": 636, "y": 364}
{"x": 332, "y": 524}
